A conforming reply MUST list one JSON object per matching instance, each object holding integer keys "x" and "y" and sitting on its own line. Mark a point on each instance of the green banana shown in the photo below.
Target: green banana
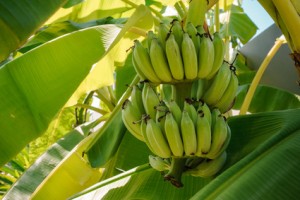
{"x": 188, "y": 106}
{"x": 189, "y": 56}
{"x": 175, "y": 110}
{"x": 225, "y": 145}
{"x": 194, "y": 90}
{"x": 219, "y": 84}
{"x": 188, "y": 134}
{"x": 166, "y": 91}
{"x": 173, "y": 135}
{"x": 227, "y": 100}
{"x": 157, "y": 140}
{"x": 219, "y": 136}
{"x": 138, "y": 69}
{"x": 136, "y": 98}
{"x": 143, "y": 62}
{"x": 131, "y": 115}
{"x": 177, "y": 32}
{"x": 192, "y": 31}
{"x": 205, "y": 57}
{"x": 159, "y": 61}
{"x": 201, "y": 86}
{"x": 160, "y": 118}
{"x": 150, "y": 100}
{"x": 208, "y": 167}
{"x": 158, "y": 163}
{"x": 219, "y": 52}
{"x": 203, "y": 130}
{"x": 215, "y": 112}
{"x": 174, "y": 58}
{"x": 196, "y": 12}
{"x": 144, "y": 133}
{"x": 150, "y": 36}
{"x": 163, "y": 32}
{"x": 204, "y": 107}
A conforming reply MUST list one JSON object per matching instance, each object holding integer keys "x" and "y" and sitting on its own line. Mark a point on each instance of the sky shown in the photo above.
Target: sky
{"x": 257, "y": 14}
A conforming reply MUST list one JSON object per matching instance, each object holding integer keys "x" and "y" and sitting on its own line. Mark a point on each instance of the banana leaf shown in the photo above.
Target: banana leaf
{"x": 259, "y": 143}
{"x": 39, "y": 170}
{"x": 31, "y": 85}
{"x": 20, "y": 19}
{"x": 267, "y": 98}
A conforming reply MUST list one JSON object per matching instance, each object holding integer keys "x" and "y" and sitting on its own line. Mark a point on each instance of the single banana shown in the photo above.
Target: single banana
{"x": 188, "y": 106}
{"x": 166, "y": 92}
{"x": 163, "y": 33}
{"x": 219, "y": 136}
{"x": 143, "y": 62}
{"x": 227, "y": 100}
{"x": 201, "y": 86}
{"x": 224, "y": 147}
{"x": 130, "y": 116}
{"x": 173, "y": 135}
{"x": 215, "y": 112}
{"x": 159, "y": 61}
{"x": 177, "y": 32}
{"x": 219, "y": 84}
{"x": 194, "y": 90}
{"x": 205, "y": 57}
{"x": 150, "y": 36}
{"x": 203, "y": 130}
{"x": 174, "y": 58}
{"x": 157, "y": 140}
{"x": 150, "y": 100}
{"x": 196, "y": 12}
{"x": 145, "y": 118}
{"x": 136, "y": 98}
{"x": 161, "y": 111}
{"x": 207, "y": 113}
{"x": 188, "y": 134}
{"x": 158, "y": 163}
{"x": 138, "y": 70}
{"x": 208, "y": 167}
{"x": 189, "y": 56}
{"x": 192, "y": 31}
{"x": 175, "y": 110}
{"x": 219, "y": 52}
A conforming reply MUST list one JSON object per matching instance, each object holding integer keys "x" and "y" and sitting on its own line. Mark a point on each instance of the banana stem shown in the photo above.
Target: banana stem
{"x": 181, "y": 91}
{"x": 138, "y": 31}
{"x": 291, "y": 19}
{"x": 175, "y": 173}
{"x": 85, "y": 106}
{"x": 260, "y": 72}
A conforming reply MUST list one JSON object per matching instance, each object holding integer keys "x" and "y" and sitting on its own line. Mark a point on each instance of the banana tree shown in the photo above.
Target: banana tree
{"x": 67, "y": 71}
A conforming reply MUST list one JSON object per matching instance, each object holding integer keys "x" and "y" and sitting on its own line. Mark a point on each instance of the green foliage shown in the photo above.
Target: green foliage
{"x": 87, "y": 47}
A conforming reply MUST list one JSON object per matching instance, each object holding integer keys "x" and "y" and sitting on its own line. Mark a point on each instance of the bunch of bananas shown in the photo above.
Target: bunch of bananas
{"x": 184, "y": 127}
{"x": 174, "y": 55}
{"x": 193, "y": 132}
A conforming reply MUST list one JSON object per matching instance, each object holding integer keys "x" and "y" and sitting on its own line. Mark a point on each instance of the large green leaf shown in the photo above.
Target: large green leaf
{"x": 267, "y": 98}
{"x": 20, "y": 19}
{"x": 238, "y": 25}
{"x": 31, "y": 179}
{"x": 36, "y": 85}
{"x": 271, "y": 170}
{"x": 252, "y": 136}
